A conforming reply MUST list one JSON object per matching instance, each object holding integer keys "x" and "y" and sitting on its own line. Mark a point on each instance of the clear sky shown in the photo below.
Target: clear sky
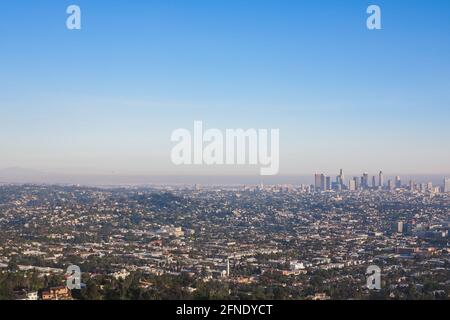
{"x": 107, "y": 98}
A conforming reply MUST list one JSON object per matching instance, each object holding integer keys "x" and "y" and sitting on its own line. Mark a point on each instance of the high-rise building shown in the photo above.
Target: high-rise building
{"x": 365, "y": 181}
{"x": 322, "y": 182}
{"x": 357, "y": 184}
{"x": 412, "y": 185}
{"x": 391, "y": 185}
{"x": 400, "y": 225}
{"x": 341, "y": 177}
{"x": 422, "y": 187}
{"x": 352, "y": 185}
{"x": 403, "y": 227}
{"x": 337, "y": 185}
{"x": 446, "y": 185}
{"x": 328, "y": 184}
{"x": 374, "y": 182}
{"x": 381, "y": 179}
{"x": 398, "y": 182}
{"x": 317, "y": 177}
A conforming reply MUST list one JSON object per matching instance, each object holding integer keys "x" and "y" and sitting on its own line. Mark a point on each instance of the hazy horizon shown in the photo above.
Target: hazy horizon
{"x": 23, "y": 176}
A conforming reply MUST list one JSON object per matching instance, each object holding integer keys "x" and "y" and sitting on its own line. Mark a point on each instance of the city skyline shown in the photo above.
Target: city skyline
{"x": 224, "y": 158}
{"x": 24, "y": 176}
{"x": 324, "y": 182}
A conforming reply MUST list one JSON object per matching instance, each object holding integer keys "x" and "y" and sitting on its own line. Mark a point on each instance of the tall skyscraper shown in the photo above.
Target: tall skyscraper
{"x": 338, "y": 185}
{"x": 317, "y": 177}
{"x": 341, "y": 177}
{"x": 398, "y": 182}
{"x": 381, "y": 179}
{"x": 323, "y": 184}
{"x": 391, "y": 185}
{"x": 422, "y": 187}
{"x": 412, "y": 185}
{"x": 357, "y": 184}
{"x": 446, "y": 185}
{"x": 352, "y": 185}
{"x": 328, "y": 183}
{"x": 374, "y": 182}
{"x": 320, "y": 183}
{"x": 365, "y": 181}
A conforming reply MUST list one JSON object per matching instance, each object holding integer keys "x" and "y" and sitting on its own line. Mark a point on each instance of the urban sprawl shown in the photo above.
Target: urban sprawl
{"x": 227, "y": 242}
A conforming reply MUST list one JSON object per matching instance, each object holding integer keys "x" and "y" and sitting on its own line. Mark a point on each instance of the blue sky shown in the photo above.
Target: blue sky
{"x": 106, "y": 98}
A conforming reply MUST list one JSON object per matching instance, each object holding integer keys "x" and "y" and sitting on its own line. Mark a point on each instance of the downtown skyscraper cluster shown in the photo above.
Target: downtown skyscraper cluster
{"x": 324, "y": 183}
